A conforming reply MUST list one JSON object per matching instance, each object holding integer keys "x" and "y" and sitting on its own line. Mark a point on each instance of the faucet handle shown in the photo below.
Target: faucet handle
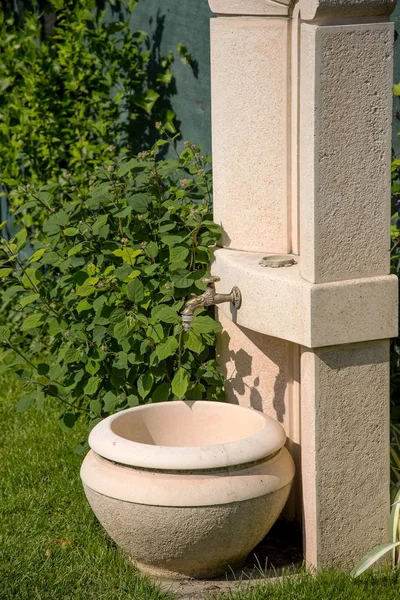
{"x": 211, "y": 279}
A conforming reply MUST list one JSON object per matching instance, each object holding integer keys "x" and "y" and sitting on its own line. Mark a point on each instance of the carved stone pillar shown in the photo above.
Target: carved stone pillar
{"x": 301, "y": 114}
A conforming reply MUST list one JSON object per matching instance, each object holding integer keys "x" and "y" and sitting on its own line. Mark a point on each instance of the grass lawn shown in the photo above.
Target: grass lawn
{"x": 329, "y": 585}
{"x": 52, "y": 548}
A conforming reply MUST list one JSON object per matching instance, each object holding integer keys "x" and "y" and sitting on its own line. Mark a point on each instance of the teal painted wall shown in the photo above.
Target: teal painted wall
{"x": 170, "y": 22}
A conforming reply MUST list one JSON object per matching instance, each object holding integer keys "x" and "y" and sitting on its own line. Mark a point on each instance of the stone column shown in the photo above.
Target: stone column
{"x": 301, "y": 114}
{"x": 344, "y": 174}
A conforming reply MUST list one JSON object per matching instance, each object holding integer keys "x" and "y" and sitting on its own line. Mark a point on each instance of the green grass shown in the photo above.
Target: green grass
{"x": 51, "y": 546}
{"x": 328, "y": 585}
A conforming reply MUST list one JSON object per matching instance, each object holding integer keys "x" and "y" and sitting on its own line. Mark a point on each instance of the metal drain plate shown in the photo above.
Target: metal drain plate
{"x": 276, "y": 261}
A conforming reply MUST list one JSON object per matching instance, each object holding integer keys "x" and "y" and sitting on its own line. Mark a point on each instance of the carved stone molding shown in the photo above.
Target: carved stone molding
{"x": 309, "y": 9}
{"x": 251, "y": 7}
{"x": 328, "y": 9}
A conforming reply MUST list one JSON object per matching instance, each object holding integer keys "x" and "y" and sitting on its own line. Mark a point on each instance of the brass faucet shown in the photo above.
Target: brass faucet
{"x": 208, "y": 298}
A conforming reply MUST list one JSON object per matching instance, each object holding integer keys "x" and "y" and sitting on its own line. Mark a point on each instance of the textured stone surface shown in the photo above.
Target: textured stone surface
{"x": 280, "y": 303}
{"x": 325, "y": 9}
{"x": 249, "y": 73}
{"x": 346, "y": 71}
{"x": 256, "y": 369}
{"x": 345, "y": 451}
{"x": 186, "y": 488}
{"x": 262, "y": 372}
{"x": 249, "y": 7}
{"x": 188, "y": 542}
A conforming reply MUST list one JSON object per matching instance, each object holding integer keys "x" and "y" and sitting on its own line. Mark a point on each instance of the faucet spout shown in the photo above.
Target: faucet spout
{"x": 208, "y": 298}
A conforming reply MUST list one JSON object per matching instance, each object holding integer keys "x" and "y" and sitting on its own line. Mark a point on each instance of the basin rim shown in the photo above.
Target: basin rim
{"x": 266, "y": 441}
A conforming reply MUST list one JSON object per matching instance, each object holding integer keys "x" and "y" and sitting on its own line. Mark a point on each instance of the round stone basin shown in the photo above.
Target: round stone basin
{"x": 187, "y": 435}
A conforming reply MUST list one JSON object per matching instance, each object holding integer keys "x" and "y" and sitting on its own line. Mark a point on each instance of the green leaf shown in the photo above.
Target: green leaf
{"x": 82, "y": 448}
{"x": 126, "y": 167}
{"x": 182, "y": 278}
{"x": 144, "y": 384}
{"x": 135, "y": 291}
{"x": 128, "y": 255}
{"x": 151, "y": 250}
{"x": 372, "y": 557}
{"x": 147, "y": 100}
{"x": 195, "y": 392}
{"x": 5, "y": 272}
{"x": 83, "y": 305}
{"x": 37, "y": 255}
{"x": 122, "y": 329}
{"x": 132, "y": 274}
{"x": 180, "y": 383}
{"x": 396, "y": 89}
{"x": 177, "y": 266}
{"x": 167, "y": 167}
{"x": 101, "y": 189}
{"x": 122, "y": 213}
{"x": 92, "y": 366}
{"x": 167, "y": 119}
{"x": 139, "y": 202}
{"x": 178, "y": 253}
{"x": 67, "y": 420}
{"x": 88, "y": 287}
{"x": 4, "y": 333}
{"x": 123, "y": 271}
{"x": 56, "y": 222}
{"x": 70, "y": 231}
{"x": 161, "y": 393}
{"x": 121, "y": 361}
{"x": 33, "y": 321}
{"x": 167, "y": 315}
{"x": 155, "y": 332}
{"x": 20, "y": 239}
{"x": 52, "y": 258}
{"x": 28, "y": 300}
{"x": 25, "y": 403}
{"x": 56, "y": 326}
{"x": 193, "y": 342}
{"x": 92, "y": 386}
{"x": 166, "y": 348}
{"x": 173, "y": 240}
{"x": 205, "y": 324}
{"x": 133, "y": 400}
{"x": 43, "y": 368}
{"x": 31, "y": 278}
{"x": 99, "y": 223}
{"x": 72, "y": 355}
{"x": 98, "y": 333}
{"x": 110, "y": 402}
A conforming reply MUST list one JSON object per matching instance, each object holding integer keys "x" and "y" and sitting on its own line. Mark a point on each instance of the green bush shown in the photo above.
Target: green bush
{"x": 71, "y": 85}
{"x": 95, "y": 320}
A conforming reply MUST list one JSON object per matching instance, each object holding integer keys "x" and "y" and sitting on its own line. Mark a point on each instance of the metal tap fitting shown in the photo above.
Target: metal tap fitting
{"x": 208, "y": 298}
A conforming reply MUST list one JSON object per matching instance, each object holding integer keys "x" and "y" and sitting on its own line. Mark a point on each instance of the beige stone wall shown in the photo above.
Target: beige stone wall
{"x": 263, "y": 373}
{"x": 345, "y": 150}
{"x": 345, "y": 451}
{"x": 249, "y": 73}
